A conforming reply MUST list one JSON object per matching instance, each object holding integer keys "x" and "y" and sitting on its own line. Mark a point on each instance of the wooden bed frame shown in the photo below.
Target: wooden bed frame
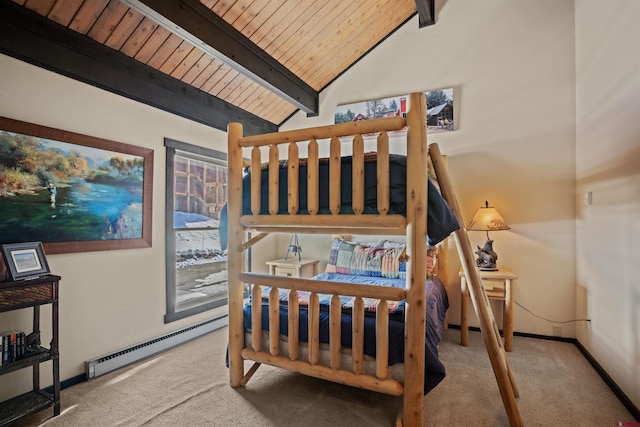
{"x": 413, "y": 226}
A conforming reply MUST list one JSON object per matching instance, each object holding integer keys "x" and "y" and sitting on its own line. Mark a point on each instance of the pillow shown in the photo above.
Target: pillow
{"x": 364, "y": 260}
{"x": 391, "y": 244}
{"x": 373, "y": 244}
{"x": 383, "y": 258}
{"x": 431, "y": 252}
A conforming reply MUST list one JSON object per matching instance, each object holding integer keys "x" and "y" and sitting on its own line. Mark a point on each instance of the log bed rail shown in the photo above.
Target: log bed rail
{"x": 322, "y": 223}
{"x": 413, "y": 226}
{"x": 334, "y": 372}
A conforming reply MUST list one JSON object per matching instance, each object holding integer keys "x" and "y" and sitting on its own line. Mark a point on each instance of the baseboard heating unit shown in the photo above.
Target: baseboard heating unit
{"x": 118, "y": 359}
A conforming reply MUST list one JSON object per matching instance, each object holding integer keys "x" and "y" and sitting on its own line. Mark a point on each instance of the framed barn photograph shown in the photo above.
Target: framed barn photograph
{"x": 25, "y": 260}
{"x": 73, "y": 192}
{"x": 440, "y": 109}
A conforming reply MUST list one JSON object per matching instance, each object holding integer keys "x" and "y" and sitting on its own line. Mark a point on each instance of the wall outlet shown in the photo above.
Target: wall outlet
{"x": 588, "y": 198}
{"x": 557, "y": 330}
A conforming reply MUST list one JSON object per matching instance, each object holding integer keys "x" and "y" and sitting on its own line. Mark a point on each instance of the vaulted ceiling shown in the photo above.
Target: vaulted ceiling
{"x": 254, "y": 61}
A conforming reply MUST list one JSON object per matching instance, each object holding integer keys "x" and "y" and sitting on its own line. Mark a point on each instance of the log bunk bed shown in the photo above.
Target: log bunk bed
{"x": 258, "y": 210}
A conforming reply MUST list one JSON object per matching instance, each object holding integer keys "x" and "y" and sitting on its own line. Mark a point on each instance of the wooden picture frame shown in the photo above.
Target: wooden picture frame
{"x": 25, "y": 260}
{"x": 73, "y": 192}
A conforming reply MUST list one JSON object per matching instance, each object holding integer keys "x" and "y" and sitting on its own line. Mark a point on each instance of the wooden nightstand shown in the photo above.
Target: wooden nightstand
{"x": 498, "y": 285}
{"x": 291, "y": 267}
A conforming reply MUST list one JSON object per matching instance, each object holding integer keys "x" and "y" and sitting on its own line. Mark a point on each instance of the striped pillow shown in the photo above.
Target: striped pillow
{"x": 361, "y": 260}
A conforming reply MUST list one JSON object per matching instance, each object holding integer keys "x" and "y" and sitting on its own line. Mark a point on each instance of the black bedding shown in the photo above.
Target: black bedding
{"x": 441, "y": 220}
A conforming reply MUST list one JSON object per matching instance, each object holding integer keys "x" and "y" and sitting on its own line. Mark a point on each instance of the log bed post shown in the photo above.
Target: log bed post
{"x": 416, "y": 235}
{"x": 235, "y": 262}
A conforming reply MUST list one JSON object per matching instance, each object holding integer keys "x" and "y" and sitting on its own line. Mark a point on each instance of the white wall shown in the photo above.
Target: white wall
{"x": 110, "y": 299}
{"x": 608, "y": 166}
{"x": 512, "y": 67}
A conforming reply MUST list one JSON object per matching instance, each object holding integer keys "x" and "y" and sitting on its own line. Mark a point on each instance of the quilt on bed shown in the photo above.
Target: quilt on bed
{"x": 437, "y": 304}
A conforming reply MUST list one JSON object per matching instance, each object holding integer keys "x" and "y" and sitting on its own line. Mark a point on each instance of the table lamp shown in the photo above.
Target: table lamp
{"x": 294, "y": 247}
{"x": 487, "y": 219}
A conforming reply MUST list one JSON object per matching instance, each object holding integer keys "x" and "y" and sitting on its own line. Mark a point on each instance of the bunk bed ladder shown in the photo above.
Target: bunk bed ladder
{"x": 489, "y": 328}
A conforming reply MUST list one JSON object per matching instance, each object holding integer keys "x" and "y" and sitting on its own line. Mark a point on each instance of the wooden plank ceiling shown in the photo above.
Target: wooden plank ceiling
{"x": 300, "y": 46}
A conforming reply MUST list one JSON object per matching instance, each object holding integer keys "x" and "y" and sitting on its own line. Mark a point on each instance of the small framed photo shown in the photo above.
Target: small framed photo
{"x": 25, "y": 260}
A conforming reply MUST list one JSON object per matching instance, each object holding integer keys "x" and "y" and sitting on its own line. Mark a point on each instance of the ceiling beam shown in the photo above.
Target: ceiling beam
{"x": 29, "y": 37}
{"x": 426, "y": 12}
{"x": 197, "y": 24}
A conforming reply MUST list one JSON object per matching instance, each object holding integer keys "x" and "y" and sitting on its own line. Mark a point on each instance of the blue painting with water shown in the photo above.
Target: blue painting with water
{"x": 53, "y": 191}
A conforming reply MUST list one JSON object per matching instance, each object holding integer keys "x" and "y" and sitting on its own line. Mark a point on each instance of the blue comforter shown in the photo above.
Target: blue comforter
{"x": 437, "y": 304}
{"x": 441, "y": 220}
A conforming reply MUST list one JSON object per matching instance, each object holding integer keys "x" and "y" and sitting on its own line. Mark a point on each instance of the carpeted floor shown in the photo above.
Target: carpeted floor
{"x": 188, "y": 386}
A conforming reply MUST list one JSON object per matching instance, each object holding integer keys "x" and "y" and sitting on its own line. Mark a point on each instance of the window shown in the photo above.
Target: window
{"x": 196, "y": 264}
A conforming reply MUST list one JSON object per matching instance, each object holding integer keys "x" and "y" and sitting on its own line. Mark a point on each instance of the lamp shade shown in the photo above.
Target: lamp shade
{"x": 487, "y": 219}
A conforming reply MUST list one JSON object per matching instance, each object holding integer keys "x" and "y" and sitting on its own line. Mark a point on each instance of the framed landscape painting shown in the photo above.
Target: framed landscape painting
{"x": 73, "y": 192}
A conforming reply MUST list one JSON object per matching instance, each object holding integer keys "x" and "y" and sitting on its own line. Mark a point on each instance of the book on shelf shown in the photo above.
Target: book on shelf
{"x": 12, "y": 345}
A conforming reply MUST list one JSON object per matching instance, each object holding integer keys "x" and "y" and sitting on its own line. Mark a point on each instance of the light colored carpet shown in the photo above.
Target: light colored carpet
{"x": 188, "y": 386}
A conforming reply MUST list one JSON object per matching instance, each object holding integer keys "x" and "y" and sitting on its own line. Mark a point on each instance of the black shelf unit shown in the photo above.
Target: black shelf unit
{"x": 32, "y": 293}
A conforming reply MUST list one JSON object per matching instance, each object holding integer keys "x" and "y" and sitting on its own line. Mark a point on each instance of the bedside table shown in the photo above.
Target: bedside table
{"x": 497, "y": 285}
{"x": 291, "y": 267}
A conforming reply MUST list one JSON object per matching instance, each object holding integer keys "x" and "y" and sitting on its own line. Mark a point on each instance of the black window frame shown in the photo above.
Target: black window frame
{"x": 173, "y": 148}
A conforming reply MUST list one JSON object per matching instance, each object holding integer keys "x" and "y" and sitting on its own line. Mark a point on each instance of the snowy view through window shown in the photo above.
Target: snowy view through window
{"x": 201, "y": 262}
